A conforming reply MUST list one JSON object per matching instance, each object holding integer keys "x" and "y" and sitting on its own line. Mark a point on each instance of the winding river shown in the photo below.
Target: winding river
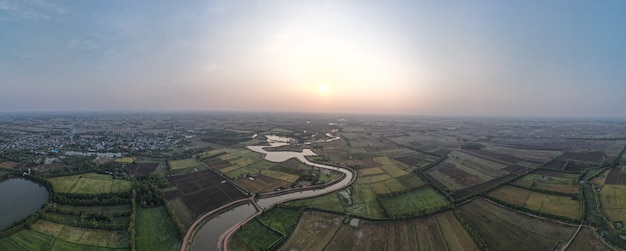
{"x": 206, "y": 238}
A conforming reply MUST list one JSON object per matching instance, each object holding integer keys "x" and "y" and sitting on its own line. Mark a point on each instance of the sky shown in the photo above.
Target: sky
{"x": 483, "y": 58}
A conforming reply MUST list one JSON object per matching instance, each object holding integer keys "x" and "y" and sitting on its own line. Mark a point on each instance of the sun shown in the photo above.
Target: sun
{"x": 324, "y": 88}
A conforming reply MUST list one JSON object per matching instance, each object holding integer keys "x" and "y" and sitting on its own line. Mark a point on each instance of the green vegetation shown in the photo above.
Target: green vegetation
{"x": 184, "y": 165}
{"x": 280, "y": 219}
{"x": 257, "y": 236}
{"x": 155, "y": 230}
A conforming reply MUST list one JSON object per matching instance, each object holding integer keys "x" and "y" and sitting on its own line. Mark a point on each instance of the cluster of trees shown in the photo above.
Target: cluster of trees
{"x": 172, "y": 213}
{"x": 148, "y": 190}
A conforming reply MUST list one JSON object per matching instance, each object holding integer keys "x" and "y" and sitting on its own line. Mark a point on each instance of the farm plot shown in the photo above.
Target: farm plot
{"x": 592, "y": 157}
{"x": 142, "y": 168}
{"x": 565, "y": 183}
{"x": 540, "y": 202}
{"x": 587, "y": 240}
{"x": 184, "y": 165}
{"x": 617, "y": 176}
{"x": 613, "y": 202}
{"x": 84, "y": 236}
{"x": 461, "y": 170}
{"x": 202, "y": 191}
{"x": 89, "y": 183}
{"x": 536, "y": 156}
{"x": 261, "y": 184}
{"x": 417, "y": 159}
{"x": 256, "y": 236}
{"x": 414, "y": 203}
{"x": 8, "y": 164}
{"x": 504, "y": 229}
{"x": 437, "y": 232}
{"x": 155, "y": 230}
{"x": 314, "y": 231}
{"x": 33, "y": 240}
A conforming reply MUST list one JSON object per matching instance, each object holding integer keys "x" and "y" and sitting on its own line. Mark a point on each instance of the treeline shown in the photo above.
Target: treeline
{"x": 105, "y": 199}
{"x": 95, "y": 221}
{"x": 131, "y": 225}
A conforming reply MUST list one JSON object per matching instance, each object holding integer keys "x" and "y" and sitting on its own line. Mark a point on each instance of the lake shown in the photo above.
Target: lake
{"x": 19, "y": 198}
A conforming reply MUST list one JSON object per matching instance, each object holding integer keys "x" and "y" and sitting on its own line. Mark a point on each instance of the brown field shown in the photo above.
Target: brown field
{"x": 8, "y": 164}
{"x": 505, "y": 229}
{"x": 202, "y": 191}
{"x": 616, "y": 176}
{"x": 539, "y": 156}
{"x": 322, "y": 231}
{"x": 511, "y": 194}
{"x": 586, "y": 240}
{"x": 588, "y": 156}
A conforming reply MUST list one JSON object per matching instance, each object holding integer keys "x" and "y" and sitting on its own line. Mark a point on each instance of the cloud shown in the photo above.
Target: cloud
{"x": 29, "y": 10}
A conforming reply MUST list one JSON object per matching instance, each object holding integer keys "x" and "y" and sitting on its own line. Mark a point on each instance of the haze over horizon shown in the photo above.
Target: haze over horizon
{"x": 485, "y": 58}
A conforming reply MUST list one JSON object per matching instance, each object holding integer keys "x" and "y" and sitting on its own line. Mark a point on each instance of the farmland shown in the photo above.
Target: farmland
{"x": 509, "y": 230}
{"x": 83, "y": 236}
{"x": 90, "y": 183}
{"x": 540, "y": 202}
{"x": 202, "y": 191}
{"x": 613, "y": 202}
{"x": 550, "y": 181}
{"x": 184, "y": 165}
{"x": 318, "y": 230}
{"x": 417, "y": 202}
{"x": 32, "y": 240}
{"x": 155, "y": 230}
{"x": 586, "y": 240}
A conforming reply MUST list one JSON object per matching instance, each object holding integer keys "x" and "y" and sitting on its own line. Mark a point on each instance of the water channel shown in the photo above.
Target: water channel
{"x": 207, "y": 236}
{"x": 19, "y": 198}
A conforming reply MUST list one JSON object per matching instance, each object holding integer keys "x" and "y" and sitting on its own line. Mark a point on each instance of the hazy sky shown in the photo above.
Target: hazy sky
{"x": 502, "y": 58}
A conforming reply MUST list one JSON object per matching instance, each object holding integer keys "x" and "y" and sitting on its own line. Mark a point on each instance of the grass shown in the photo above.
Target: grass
{"x": 155, "y": 230}
{"x": 257, "y": 236}
{"x": 89, "y": 183}
{"x": 566, "y": 184}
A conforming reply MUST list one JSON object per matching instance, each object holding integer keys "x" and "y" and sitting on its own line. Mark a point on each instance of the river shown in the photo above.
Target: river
{"x": 207, "y": 236}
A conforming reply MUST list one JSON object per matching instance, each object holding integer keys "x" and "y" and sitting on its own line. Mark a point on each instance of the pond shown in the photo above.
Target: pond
{"x": 19, "y": 198}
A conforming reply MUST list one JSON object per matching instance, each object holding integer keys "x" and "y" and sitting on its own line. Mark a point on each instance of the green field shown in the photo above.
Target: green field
{"x": 155, "y": 230}
{"x": 89, "y": 183}
{"x": 280, "y": 176}
{"x": 257, "y": 236}
{"x": 29, "y": 240}
{"x": 568, "y": 183}
{"x": 418, "y": 202}
{"x": 280, "y": 219}
{"x": 183, "y": 164}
